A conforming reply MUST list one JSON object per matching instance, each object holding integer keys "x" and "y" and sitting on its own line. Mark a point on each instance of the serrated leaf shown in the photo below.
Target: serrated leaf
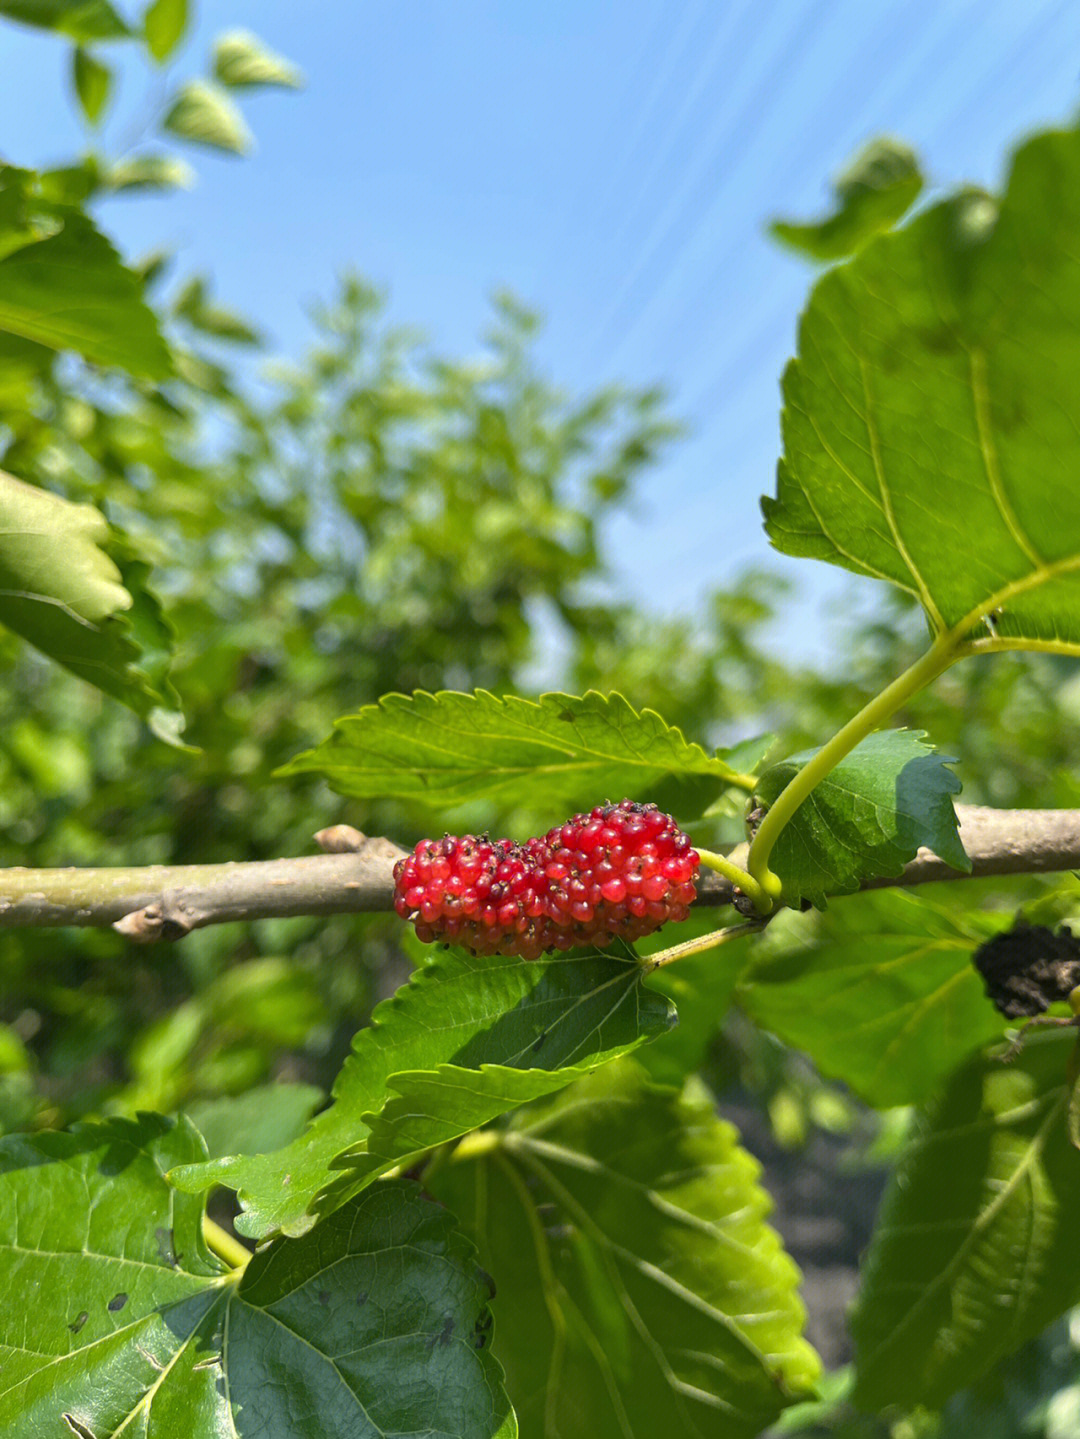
{"x": 554, "y": 1014}
{"x": 70, "y": 291}
{"x": 80, "y": 20}
{"x": 880, "y": 991}
{"x": 205, "y": 115}
{"x": 163, "y": 26}
{"x": 149, "y": 172}
{"x": 241, "y": 60}
{"x": 61, "y": 590}
{"x": 93, "y": 81}
{"x": 555, "y": 753}
{"x": 638, "y": 1288}
{"x": 375, "y": 1323}
{"x": 870, "y": 815}
{"x": 975, "y": 1250}
{"x": 873, "y": 194}
{"x": 929, "y": 414}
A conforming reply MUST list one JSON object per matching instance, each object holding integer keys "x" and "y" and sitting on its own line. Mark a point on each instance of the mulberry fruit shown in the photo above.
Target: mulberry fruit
{"x": 620, "y": 871}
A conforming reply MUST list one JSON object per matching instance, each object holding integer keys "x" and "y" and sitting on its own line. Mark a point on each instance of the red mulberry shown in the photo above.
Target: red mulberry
{"x": 620, "y": 871}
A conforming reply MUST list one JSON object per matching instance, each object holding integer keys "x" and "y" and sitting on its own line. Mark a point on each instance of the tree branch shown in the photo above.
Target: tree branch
{"x": 166, "y": 902}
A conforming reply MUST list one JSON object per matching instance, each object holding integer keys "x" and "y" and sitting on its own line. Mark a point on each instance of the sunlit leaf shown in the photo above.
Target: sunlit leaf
{"x": 876, "y": 190}
{"x": 546, "y": 1019}
{"x": 69, "y": 290}
{"x": 242, "y": 61}
{"x": 205, "y": 115}
{"x": 638, "y": 1287}
{"x": 93, "y": 81}
{"x": 149, "y": 172}
{"x": 80, "y": 20}
{"x": 163, "y": 26}
{"x": 928, "y": 421}
{"x": 555, "y": 753}
{"x": 61, "y": 589}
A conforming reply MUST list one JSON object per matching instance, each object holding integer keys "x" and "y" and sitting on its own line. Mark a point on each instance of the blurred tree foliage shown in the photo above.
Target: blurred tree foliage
{"x": 370, "y": 516}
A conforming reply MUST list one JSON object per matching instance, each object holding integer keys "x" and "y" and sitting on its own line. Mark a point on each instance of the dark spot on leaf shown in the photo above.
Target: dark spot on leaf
{"x": 361, "y": 1298}
{"x": 117, "y": 1302}
{"x": 324, "y": 1297}
{"x": 567, "y": 716}
{"x": 486, "y": 1280}
{"x": 78, "y": 1427}
{"x": 538, "y": 1041}
{"x": 482, "y": 1329}
{"x": 78, "y": 1322}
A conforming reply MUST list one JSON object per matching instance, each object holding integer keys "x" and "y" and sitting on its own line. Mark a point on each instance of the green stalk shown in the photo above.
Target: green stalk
{"x": 945, "y": 650}
{"x": 222, "y": 1243}
{"x": 738, "y": 877}
{"x": 702, "y": 943}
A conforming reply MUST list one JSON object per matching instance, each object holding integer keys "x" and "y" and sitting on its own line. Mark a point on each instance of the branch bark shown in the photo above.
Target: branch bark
{"x": 166, "y": 902}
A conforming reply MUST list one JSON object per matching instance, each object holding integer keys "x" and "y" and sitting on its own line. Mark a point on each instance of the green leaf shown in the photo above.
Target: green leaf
{"x": 21, "y": 223}
{"x": 70, "y": 290}
{"x": 61, "y": 590}
{"x": 375, "y": 1323}
{"x": 80, "y": 20}
{"x": 93, "y": 81}
{"x": 543, "y": 1017}
{"x": 555, "y": 753}
{"x": 116, "y": 1262}
{"x": 266, "y": 1117}
{"x": 975, "y": 1251}
{"x": 163, "y": 26}
{"x": 928, "y": 421}
{"x": 149, "y": 172}
{"x": 205, "y": 115}
{"x": 201, "y": 313}
{"x": 241, "y": 60}
{"x": 880, "y": 991}
{"x": 639, "y": 1290}
{"x": 873, "y": 194}
{"x": 870, "y": 815}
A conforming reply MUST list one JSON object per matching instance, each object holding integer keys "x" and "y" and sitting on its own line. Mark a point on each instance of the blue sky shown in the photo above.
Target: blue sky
{"x": 614, "y": 162}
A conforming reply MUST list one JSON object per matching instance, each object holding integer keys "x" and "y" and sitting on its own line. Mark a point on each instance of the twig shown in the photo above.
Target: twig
{"x": 166, "y": 902}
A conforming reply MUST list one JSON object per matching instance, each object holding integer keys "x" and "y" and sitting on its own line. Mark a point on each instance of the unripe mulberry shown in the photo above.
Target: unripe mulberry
{"x": 620, "y": 871}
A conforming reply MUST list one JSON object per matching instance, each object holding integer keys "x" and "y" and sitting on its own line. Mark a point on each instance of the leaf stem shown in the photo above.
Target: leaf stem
{"x": 704, "y": 942}
{"x": 224, "y": 1245}
{"x": 738, "y": 877}
{"x": 946, "y": 649}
